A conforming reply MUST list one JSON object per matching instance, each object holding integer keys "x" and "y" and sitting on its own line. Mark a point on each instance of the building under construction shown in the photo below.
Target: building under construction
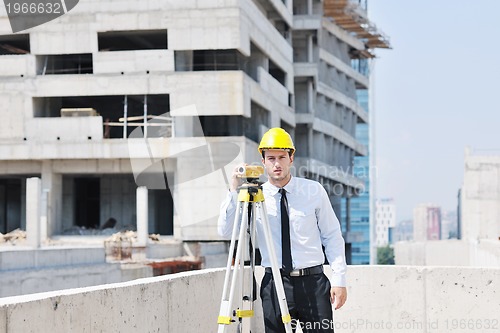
{"x": 111, "y": 113}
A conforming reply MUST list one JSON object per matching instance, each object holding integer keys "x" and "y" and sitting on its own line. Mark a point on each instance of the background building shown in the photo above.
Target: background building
{"x": 480, "y": 196}
{"x": 403, "y": 231}
{"x": 133, "y": 114}
{"x": 385, "y": 222}
{"x": 359, "y": 204}
{"x": 449, "y": 225}
{"x": 478, "y": 221}
{"x": 426, "y": 222}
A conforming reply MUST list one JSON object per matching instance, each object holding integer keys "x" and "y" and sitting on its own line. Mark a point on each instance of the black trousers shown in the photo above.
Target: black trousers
{"x": 308, "y": 299}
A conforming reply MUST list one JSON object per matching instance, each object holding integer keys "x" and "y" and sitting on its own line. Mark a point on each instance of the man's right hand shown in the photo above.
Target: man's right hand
{"x": 235, "y": 180}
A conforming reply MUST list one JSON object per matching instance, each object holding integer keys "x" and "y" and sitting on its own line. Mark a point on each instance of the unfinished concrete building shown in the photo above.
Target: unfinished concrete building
{"x": 73, "y": 91}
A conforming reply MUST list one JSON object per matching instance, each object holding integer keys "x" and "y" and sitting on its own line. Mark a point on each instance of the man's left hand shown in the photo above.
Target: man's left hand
{"x": 338, "y": 296}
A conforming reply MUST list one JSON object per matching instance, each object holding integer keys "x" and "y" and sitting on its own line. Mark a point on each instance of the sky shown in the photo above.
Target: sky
{"x": 434, "y": 93}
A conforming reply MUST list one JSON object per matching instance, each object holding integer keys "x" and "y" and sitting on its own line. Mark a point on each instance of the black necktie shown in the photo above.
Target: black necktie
{"x": 286, "y": 253}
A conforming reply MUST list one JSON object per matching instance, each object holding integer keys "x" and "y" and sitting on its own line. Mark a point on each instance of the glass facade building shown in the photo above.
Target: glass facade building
{"x": 360, "y": 205}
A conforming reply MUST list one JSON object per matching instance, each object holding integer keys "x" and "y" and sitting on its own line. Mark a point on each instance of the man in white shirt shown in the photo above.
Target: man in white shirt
{"x": 301, "y": 220}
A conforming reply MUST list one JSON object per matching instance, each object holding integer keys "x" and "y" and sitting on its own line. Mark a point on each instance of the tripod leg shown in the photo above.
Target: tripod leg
{"x": 252, "y": 238}
{"x": 280, "y": 291}
{"x": 225, "y": 308}
{"x": 247, "y": 305}
{"x": 225, "y": 316}
{"x": 245, "y": 311}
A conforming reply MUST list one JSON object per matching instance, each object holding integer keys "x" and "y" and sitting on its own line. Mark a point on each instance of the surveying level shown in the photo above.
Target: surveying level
{"x": 239, "y": 281}
{"x": 250, "y": 172}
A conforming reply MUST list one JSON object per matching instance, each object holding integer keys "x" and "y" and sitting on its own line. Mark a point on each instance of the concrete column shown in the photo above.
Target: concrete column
{"x": 142, "y": 215}
{"x": 33, "y": 196}
{"x": 23, "y": 204}
{"x": 44, "y": 214}
{"x": 178, "y": 233}
{"x": 309, "y": 7}
{"x": 125, "y": 116}
{"x": 184, "y": 60}
{"x": 52, "y": 194}
{"x": 310, "y": 97}
{"x": 310, "y": 140}
{"x": 275, "y": 120}
{"x": 184, "y": 126}
{"x": 257, "y": 59}
{"x": 310, "y": 47}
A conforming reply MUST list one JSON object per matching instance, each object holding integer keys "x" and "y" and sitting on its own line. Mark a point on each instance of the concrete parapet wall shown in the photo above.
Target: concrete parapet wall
{"x": 185, "y": 302}
{"x": 65, "y": 129}
{"x": 420, "y": 299}
{"x": 381, "y": 298}
{"x": 134, "y": 61}
{"x": 18, "y": 65}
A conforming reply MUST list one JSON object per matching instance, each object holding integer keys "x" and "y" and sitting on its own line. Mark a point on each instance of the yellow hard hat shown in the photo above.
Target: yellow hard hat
{"x": 276, "y": 138}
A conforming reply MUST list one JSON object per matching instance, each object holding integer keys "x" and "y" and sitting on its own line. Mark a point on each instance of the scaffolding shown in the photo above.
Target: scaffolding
{"x": 351, "y": 15}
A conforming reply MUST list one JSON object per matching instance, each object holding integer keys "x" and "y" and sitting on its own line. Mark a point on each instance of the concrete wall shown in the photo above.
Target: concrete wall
{"x": 485, "y": 253}
{"x": 432, "y": 253}
{"x": 381, "y": 298}
{"x": 452, "y": 252}
{"x": 22, "y": 282}
{"x": 25, "y": 271}
{"x": 19, "y": 259}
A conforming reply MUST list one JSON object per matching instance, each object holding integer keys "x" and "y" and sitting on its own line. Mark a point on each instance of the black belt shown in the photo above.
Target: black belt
{"x": 300, "y": 272}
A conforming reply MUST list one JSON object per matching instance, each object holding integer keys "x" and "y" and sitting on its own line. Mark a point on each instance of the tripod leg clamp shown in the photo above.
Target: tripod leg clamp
{"x": 286, "y": 319}
{"x": 244, "y": 313}
{"x": 224, "y": 320}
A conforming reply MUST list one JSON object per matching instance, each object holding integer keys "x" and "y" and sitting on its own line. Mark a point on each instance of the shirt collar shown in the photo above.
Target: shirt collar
{"x": 290, "y": 187}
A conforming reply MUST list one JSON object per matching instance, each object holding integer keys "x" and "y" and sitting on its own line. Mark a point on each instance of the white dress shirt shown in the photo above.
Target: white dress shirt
{"x": 312, "y": 223}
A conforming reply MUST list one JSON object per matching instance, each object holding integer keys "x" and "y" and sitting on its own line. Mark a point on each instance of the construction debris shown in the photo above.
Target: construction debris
{"x": 175, "y": 265}
{"x": 13, "y": 237}
{"x": 119, "y": 245}
{"x": 154, "y": 237}
{"x": 124, "y": 236}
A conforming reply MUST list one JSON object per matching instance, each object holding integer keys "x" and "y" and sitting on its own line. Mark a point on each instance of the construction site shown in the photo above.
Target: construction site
{"x": 121, "y": 123}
